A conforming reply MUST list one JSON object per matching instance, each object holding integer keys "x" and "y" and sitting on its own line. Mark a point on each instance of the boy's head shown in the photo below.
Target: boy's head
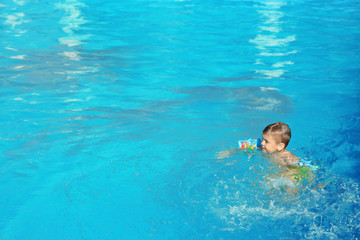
{"x": 276, "y": 137}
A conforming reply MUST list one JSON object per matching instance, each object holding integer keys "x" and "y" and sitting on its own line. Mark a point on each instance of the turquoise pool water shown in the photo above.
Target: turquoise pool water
{"x": 112, "y": 114}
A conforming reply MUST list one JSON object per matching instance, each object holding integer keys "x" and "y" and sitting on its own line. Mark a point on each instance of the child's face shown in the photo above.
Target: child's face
{"x": 269, "y": 144}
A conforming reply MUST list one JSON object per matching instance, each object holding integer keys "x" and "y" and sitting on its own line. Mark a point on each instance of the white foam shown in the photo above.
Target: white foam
{"x": 15, "y": 19}
{"x": 277, "y": 54}
{"x": 78, "y": 100}
{"x": 267, "y": 104}
{"x": 274, "y": 5}
{"x": 19, "y": 2}
{"x": 271, "y": 40}
{"x": 274, "y": 29}
{"x": 11, "y": 49}
{"x": 282, "y": 64}
{"x": 18, "y": 67}
{"x": 259, "y": 62}
{"x": 72, "y": 55}
{"x": 272, "y": 16}
{"x": 70, "y": 42}
{"x": 264, "y": 89}
{"x": 73, "y": 40}
{"x": 22, "y": 57}
{"x": 72, "y": 21}
{"x": 272, "y": 73}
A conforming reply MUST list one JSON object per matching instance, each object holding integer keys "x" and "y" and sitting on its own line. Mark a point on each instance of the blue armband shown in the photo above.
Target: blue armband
{"x": 249, "y": 144}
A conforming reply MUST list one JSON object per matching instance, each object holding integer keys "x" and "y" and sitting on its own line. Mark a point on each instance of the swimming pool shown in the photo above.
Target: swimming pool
{"x": 112, "y": 115}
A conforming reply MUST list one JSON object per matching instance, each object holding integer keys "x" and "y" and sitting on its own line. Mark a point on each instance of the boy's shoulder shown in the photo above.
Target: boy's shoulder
{"x": 290, "y": 158}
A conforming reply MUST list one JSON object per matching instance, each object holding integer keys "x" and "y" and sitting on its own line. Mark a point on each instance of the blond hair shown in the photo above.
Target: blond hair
{"x": 280, "y": 131}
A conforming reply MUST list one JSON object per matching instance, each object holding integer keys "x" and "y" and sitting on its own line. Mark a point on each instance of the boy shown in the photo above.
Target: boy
{"x": 276, "y": 137}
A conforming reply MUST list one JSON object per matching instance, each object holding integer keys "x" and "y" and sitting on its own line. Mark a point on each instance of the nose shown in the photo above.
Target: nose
{"x": 263, "y": 143}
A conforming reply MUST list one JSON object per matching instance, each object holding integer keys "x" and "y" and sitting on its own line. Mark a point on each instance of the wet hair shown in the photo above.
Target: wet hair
{"x": 280, "y": 131}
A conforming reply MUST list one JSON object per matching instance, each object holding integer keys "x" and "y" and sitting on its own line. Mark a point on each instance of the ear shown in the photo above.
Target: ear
{"x": 280, "y": 147}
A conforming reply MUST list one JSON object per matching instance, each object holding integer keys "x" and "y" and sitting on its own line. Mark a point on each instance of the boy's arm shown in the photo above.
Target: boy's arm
{"x": 224, "y": 154}
{"x": 250, "y": 144}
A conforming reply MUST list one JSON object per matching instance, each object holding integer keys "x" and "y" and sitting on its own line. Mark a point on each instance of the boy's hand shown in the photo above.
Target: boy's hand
{"x": 223, "y": 154}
